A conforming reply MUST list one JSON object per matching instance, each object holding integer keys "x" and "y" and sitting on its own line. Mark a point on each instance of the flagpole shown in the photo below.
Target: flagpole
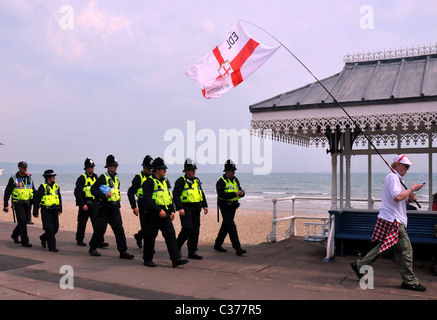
{"x": 335, "y": 100}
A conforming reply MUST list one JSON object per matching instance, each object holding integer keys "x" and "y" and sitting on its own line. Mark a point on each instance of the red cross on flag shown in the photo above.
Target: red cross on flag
{"x": 229, "y": 63}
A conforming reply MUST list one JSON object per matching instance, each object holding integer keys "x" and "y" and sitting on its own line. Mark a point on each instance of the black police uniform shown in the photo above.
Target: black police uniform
{"x": 49, "y": 215}
{"x": 108, "y": 212}
{"x": 153, "y": 222}
{"x": 22, "y": 209}
{"x": 131, "y": 194}
{"x": 190, "y": 222}
{"x": 83, "y": 215}
{"x": 228, "y": 210}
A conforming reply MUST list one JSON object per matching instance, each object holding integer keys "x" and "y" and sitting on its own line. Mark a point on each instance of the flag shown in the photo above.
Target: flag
{"x": 229, "y": 63}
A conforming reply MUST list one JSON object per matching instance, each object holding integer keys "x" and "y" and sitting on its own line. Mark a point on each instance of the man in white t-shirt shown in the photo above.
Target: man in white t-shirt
{"x": 390, "y": 230}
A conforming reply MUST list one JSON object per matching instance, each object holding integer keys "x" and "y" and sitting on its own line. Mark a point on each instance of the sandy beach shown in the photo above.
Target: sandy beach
{"x": 253, "y": 225}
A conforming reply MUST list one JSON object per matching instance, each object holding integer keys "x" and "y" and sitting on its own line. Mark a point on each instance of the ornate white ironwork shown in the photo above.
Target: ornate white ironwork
{"x": 311, "y": 131}
{"x": 416, "y": 138}
{"x": 391, "y": 54}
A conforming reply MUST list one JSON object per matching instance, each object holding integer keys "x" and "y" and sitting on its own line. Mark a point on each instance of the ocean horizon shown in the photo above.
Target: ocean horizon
{"x": 261, "y": 190}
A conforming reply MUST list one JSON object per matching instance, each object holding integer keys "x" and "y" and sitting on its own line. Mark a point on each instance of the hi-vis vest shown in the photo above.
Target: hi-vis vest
{"x": 89, "y": 181}
{"x": 143, "y": 177}
{"x": 192, "y": 193}
{"x": 51, "y": 195}
{"x": 231, "y": 186}
{"x": 23, "y": 190}
{"x": 115, "y": 187}
{"x": 161, "y": 193}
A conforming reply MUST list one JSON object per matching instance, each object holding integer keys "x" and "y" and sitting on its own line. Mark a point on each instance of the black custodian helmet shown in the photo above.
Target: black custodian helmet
{"x": 89, "y": 163}
{"x": 189, "y": 164}
{"x": 158, "y": 163}
{"x": 230, "y": 165}
{"x": 148, "y": 162}
{"x": 111, "y": 161}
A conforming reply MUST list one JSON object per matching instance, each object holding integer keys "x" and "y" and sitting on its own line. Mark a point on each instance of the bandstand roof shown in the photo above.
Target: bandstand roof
{"x": 384, "y": 92}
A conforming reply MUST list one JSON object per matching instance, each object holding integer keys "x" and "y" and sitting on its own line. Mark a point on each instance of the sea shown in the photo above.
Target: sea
{"x": 312, "y": 190}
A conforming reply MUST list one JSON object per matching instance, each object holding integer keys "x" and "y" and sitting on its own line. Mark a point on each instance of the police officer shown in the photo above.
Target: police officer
{"x": 189, "y": 200}
{"x": 86, "y": 201}
{"x": 107, "y": 190}
{"x": 22, "y": 189}
{"x": 49, "y": 197}
{"x": 136, "y": 190}
{"x": 229, "y": 192}
{"x": 160, "y": 214}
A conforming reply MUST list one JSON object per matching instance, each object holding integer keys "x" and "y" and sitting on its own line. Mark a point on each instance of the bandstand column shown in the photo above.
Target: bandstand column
{"x": 334, "y": 205}
{"x": 430, "y": 195}
{"x": 348, "y": 181}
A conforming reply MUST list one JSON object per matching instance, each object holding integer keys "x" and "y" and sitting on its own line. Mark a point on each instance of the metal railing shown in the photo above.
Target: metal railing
{"x": 291, "y": 231}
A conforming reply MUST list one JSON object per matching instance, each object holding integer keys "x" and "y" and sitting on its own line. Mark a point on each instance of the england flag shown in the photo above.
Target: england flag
{"x": 229, "y": 63}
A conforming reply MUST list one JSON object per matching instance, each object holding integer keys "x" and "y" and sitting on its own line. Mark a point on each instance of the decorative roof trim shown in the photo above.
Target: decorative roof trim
{"x": 391, "y": 54}
{"x": 308, "y": 131}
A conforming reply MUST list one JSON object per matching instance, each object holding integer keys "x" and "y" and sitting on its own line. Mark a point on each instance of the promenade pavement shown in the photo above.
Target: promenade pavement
{"x": 287, "y": 270}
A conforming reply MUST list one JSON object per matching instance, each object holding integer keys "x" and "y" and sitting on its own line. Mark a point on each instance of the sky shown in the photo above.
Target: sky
{"x": 112, "y": 80}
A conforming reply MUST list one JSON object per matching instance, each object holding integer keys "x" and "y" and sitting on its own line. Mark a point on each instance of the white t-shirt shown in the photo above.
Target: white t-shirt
{"x": 390, "y": 209}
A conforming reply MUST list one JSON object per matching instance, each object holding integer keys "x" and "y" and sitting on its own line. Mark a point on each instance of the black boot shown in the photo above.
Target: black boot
{"x": 43, "y": 241}
{"x": 240, "y": 251}
{"x": 93, "y": 252}
{"x": 220, "y": 248}
{"x": 194, "y": 255}
{"x": 15, "y": 239}
{"x": 126, "y": 255}
{"x": 179, "y": 262}
{"x": 139, "y": 240}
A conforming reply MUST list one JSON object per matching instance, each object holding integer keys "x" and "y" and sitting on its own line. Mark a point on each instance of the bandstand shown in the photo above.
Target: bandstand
{"x": 390, "y": 95}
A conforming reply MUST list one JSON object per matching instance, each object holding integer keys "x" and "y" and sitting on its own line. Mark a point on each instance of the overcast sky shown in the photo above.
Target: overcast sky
{"x": 115, "y": 83}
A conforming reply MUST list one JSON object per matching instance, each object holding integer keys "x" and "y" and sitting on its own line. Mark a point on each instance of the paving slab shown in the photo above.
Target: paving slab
{"x": 287, "y": 270}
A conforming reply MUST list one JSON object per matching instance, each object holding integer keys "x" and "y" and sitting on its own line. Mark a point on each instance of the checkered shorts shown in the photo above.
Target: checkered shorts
{"x": 387, "y": 233}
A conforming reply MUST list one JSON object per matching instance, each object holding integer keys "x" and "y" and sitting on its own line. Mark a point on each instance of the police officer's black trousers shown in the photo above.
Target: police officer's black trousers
{"x": 228, "y": 225}
{"x": 50, "y": 224}
{"x": 151, "y": 227}
{"x": 142, "y": 216}
{"x": 22, "y": 212}
{"x": 109, "y": 213}
{"x": 82, "y": 220}
{"x": 190, "y": 223}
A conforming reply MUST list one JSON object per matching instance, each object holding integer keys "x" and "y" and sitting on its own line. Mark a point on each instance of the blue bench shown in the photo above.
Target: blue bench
{"x": 359, "y": 225}
{"x": 420, "y": 227}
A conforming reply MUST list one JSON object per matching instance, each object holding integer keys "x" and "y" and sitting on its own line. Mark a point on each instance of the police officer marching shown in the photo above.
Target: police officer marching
{"x": 22, "y": 189}
{"x": 160, "y": 214}
{"x": 107, "y": 190}
{"x": 49, "y": 197}
{"x": 135, "y": 190}
{"x": 189, "y": 200}
{"x": 228, "y": 193}
{"x": 85, "y": 200}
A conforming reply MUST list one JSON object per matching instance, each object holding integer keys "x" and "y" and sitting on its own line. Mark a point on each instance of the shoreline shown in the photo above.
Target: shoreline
{"x": 253, "y": 225}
